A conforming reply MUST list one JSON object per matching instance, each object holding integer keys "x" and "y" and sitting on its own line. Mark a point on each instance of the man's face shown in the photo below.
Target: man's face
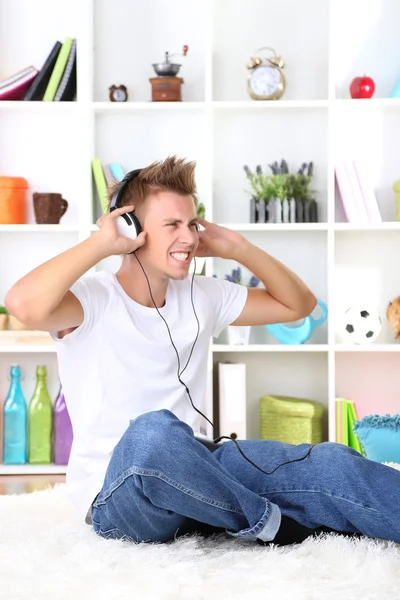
{"x": 170, "y": 221}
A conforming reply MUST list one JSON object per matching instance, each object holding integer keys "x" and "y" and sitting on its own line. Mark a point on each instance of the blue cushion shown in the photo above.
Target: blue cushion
{"x": 380, "y": 437}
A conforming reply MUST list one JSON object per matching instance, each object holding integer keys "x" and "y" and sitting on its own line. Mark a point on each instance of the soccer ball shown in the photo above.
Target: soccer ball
{"x": 359, "y": 325}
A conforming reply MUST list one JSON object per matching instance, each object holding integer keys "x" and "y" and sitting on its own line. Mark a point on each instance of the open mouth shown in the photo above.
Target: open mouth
{"x": 182, "y": 257}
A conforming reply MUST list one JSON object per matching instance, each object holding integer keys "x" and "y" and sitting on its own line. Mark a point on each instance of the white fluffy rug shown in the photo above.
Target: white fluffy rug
{"x": 47, "y": 553}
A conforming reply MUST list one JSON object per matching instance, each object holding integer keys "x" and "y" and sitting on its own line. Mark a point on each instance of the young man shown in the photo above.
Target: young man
{"x": 129, "y": 368}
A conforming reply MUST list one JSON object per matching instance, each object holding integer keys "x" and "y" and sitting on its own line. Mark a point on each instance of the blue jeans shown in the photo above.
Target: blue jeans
{"x": 161, "y": 483}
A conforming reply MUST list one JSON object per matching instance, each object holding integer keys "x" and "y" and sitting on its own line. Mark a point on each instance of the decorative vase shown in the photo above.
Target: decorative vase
{"x": 278, "y": 210}
{"x": 3, "y": 321}
{"x": 285, "y": 210}
{"x": 261, "y": 211}
{"x": 306, "y": 211}
{"x": 239, "y": 334}
{"x": 299, "y": 211}
{"x": 271, "y": 211}
{"x": 313, "y": 211}
{"x": 292, "y": 210}
{"x": 253, "y": 210}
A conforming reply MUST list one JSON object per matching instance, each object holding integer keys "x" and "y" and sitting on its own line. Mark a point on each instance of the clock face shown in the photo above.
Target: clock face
{"x": 119, "y": 95}
{"x": 265, "y": 81}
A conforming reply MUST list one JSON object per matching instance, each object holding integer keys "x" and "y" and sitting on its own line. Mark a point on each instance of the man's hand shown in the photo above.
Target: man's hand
{"x": 112, "y": 242}
{"x": 218, "y": 241}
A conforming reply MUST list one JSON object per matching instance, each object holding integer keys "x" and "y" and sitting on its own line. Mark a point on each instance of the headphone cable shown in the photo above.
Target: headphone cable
{"x": 218, "y": 439}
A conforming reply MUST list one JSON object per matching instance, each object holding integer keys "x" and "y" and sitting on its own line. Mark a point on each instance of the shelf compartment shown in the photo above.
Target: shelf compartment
{"x": 44, "y": 151}
{"x": 297, "y": 250}
{"x": 300, "y": 40}
{"x": 364, "y": 275}
{"x": 373, "y": 51}
{"x": 368, "y": 133}
{"x": 143, "y": 39}
{"x": 304, "y": 375}
{"x": 369, "y": 380}
{"x": 119, "y": 138}
{"x": 261, "y": 138}
{"x": 34, "y": 250}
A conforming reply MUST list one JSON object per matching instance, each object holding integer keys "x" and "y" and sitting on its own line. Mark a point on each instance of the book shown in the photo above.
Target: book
{"x": 356, "y": 191}
{"x": 108, "y": 175}
{"x": 346, "y": 194}
{"x": 101, "y": 183}
{"x": 117, "y": 171}
{"x": 346, "y": 416}
{"x": 368, "y": 193}
{"x": 38, "y": 87}
{"x": 57, "y": 73}
{"x": 13, "y": 78}
{"x": 342, "y": 432}
{"x": 350, "y": 192}
{"x": 66, "y": 91}
{"x": 18, "y": 88}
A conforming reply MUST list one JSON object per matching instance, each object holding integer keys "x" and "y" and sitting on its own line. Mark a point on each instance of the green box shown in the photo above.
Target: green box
{"x": 292, "y": 420}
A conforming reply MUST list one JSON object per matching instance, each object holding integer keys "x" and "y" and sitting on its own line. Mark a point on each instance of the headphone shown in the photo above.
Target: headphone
{"x": 129, "y": 226}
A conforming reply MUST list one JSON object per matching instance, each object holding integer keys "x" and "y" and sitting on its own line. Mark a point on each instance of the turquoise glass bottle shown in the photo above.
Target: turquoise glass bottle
{"x": 40, "y": 418}
{"x": 15, "y": 424}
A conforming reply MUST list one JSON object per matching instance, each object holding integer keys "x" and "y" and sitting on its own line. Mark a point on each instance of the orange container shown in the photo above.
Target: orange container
{"x": 13, "y": 210}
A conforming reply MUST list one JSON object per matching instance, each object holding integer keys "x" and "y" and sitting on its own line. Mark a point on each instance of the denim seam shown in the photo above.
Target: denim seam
{"x": 152, "y": 473}
{"x": 286, "y": 491}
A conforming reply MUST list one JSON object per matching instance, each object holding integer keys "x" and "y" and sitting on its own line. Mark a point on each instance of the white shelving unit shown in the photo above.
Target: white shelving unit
{"x": 219, "y": 126}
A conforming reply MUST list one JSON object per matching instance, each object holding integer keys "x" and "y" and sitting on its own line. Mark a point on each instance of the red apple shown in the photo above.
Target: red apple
{"x": 362, "y": 87}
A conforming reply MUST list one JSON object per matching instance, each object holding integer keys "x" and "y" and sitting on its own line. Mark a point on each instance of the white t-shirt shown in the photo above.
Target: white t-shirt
{"x": 119, "y": 363}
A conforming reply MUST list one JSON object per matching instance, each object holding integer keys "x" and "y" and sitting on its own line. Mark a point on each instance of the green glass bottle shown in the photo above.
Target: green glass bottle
{"x": 40, "y": 421}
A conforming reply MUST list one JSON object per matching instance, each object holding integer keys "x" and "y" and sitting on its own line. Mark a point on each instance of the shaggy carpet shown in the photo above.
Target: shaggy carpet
{"x": 47, "y": 553}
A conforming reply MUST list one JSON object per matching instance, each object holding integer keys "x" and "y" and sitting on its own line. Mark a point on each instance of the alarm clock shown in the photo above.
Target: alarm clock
{"x": 118, "y": 93}
{"x": 265, "y": 80}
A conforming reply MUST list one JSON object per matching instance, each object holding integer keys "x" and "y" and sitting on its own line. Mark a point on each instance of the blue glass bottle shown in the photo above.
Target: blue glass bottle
{"x": 15, "y": 422}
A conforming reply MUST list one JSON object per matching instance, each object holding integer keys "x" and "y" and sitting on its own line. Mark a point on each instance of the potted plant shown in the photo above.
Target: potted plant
{"x": 281, "y": 191}
{"x": 282, "y": 196}
{"x": 240, "y": 334}
{"x": 261, "y": 192}
{"x": 306, "y": 205}
{"x": 4, "y": 314}
{"x": 201, "y": 210}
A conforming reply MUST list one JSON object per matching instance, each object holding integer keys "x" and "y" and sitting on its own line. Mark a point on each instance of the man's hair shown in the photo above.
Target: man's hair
{"x": 173, "y": 175}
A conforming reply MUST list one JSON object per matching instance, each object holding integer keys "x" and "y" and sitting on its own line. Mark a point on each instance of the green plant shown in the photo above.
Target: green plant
{"x": 281, "y": 184}
{"x": 201, "y": 210}
{"x": 261, "y": 186}
{"x": 280, "y": 179}
{"x": 299, "y": 183}
{"x": 3, "y": 310}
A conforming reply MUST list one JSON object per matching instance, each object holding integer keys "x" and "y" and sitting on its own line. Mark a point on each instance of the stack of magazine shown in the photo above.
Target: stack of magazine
{"x": 56, "y": 80}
